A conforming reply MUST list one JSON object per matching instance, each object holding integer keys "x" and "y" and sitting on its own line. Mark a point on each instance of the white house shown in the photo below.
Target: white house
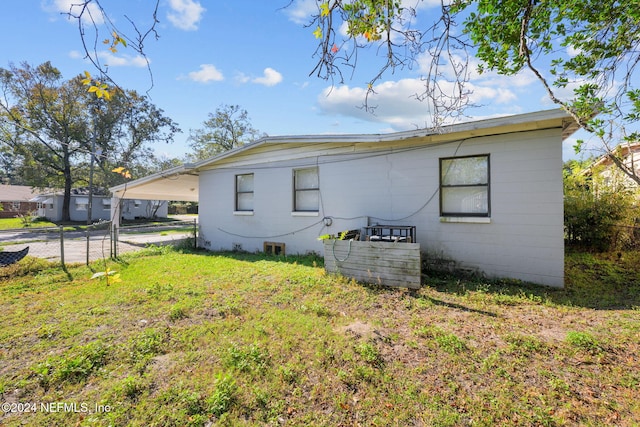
{"x": 50, "y": 207}
{"x": 137, "y": 208}
{"x": 629, "y": 155}
{"x": 485, "y": 196}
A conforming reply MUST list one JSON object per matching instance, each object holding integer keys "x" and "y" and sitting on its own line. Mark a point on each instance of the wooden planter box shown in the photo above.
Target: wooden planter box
{"x": 384, "y": 263}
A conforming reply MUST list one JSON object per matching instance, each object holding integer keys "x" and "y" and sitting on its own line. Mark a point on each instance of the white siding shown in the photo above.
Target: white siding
{"x": 133, "y": 208}
{"x": 400, "y": 185}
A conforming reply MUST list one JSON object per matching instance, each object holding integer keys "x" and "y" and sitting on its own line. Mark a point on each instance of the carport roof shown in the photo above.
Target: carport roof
{"x": 178, "y": 184}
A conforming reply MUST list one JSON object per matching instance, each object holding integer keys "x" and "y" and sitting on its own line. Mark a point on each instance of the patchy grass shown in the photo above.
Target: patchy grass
{"x": 194, "y": 339}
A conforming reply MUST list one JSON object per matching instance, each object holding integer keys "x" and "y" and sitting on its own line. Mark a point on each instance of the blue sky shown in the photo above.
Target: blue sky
{"x": 256, "y": 54}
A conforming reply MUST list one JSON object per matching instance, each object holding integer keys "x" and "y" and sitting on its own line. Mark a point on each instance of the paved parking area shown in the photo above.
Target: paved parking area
{"x": 47, "y": 245}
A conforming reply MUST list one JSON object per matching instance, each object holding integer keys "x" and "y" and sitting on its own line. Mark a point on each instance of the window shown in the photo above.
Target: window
{"x": 244, "y": 192}
{"x": 306, "y": 189}
{"x": 464, "y": 186}
{"x": 82, "y": 204}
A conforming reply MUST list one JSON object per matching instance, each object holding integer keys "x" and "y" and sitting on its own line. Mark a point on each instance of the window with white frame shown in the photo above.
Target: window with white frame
{"x": 244, "y": 192}
{"x": 82, "y": 204}
{"x": 306, "y": 189}
{"x": 464, "y": 186}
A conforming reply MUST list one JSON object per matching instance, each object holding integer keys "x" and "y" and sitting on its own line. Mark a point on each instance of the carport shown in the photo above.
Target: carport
{"x": 175, "y": 184}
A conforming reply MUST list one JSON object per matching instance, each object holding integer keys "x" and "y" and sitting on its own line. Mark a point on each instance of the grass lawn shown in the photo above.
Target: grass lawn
{"x": 13, "y": 223}
{"x": 194, "y": 339}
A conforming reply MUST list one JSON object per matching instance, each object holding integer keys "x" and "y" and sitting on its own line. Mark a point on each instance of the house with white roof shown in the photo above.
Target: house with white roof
{"x": 483, "y": 196}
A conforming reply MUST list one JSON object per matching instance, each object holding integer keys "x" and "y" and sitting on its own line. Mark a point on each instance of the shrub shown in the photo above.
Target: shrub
{"x": 593, "y": 209}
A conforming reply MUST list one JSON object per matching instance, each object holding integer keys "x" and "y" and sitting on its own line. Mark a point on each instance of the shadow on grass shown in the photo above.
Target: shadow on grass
{"x": 597, "y": 281}
{"x": 609, "y": 281}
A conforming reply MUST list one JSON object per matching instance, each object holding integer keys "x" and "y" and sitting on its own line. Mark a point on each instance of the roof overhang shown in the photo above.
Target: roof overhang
{"x": 176, "y": 184}
{"x": 181, "y": 183}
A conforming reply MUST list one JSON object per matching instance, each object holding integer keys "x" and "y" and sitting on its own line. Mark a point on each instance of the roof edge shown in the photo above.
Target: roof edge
{"x": 565, "y": 121}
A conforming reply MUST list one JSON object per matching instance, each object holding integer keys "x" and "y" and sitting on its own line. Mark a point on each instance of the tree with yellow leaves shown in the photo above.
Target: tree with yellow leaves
{"x": 55, "y": 127}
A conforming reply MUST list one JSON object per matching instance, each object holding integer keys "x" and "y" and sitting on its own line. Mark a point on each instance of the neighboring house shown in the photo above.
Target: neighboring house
{"x": 136, "y": 209}
{"x": 485, "y": 196}
{"x": 612, "y": 174}
{"x": 15, "y": 200}
{"x": 50, "y": 207}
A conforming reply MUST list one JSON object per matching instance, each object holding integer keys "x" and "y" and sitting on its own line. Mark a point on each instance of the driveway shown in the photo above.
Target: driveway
{"x": 46, "y": 244}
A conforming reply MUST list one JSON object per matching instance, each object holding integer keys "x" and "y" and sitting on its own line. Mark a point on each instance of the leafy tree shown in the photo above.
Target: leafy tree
{"x": 589, "y": 48}
{"x": 594, "y": 208}
{"x": 128, "y": 126}
{"x": 228, "y": 128}
{"x": 52, "y": 127}
{"x": 43, "y": 122}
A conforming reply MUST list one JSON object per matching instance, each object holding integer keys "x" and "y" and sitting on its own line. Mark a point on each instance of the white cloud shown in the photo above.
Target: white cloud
{"x": 242, "y": 78}
{"x": 185, "y": 14}
{"x": 111, "y": 60}
{"x": 573, "y": 51}
{"x": 270, "y": 78}
{"x": 91, "y": 13}
{"x": 394, "y": 103}
{"x": 397, "y": 102}
{"x": 207, "y": 73}
{"x": 300, "y": 11}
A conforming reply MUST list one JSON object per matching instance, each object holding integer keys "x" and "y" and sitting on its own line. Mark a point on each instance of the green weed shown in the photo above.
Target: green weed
{"x": 177, "y": 312}
{"x": 369, "y": 354}
{"x": 146, "y": 345}
{"x": 450, "y": 343}
{"x": 250, "y": 358}
{"x": 583, "y": 341}
{"x": 132, "y": 387}
{"x": 223, "y": 396}
{"x": 75, "y": 367}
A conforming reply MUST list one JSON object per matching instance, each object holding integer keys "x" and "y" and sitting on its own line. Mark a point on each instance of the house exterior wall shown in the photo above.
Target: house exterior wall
{"x": 396, "y": 183}
{"x": 53, "y": 210}
{"x": 12, "y": 209}
{"x": 99, "y": 211}
{"x": 15, "y": 200}
{"x": 132, "y": 209}
{"x": 77, "y": 208}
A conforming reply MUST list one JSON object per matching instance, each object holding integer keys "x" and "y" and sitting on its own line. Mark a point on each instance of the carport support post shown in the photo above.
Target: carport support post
{"x": 116, "y": 209}
{"x": 114, "y": 241}
{"x": 195, "y": 234}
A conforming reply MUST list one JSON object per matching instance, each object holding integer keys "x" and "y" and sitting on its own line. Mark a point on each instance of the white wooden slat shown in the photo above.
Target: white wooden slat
{"x": 385, "y": 263}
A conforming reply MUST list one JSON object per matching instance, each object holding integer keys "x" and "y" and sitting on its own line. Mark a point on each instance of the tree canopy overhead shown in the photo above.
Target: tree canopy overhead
{"x": 584, "y": 52}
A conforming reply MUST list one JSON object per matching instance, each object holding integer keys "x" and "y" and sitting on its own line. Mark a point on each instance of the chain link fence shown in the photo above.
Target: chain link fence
{"x": 71, "y": 245}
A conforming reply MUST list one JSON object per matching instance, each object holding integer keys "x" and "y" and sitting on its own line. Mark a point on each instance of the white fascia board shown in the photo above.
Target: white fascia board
{"x": 503, "y": 124}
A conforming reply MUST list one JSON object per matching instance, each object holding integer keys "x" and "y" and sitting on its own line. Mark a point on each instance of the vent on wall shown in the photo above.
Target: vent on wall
{"x": 273, "y": 248}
